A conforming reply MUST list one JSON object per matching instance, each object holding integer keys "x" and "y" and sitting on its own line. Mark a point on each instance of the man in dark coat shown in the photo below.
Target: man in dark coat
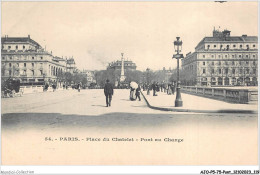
{"x": 137, "y": 93}
{"x": 154, "y": 87}
{"x": 157, "y": 87}
{"x": 78, "y": 87}
{"x": 109, "y": 91}
{"x": 148, "y": 89}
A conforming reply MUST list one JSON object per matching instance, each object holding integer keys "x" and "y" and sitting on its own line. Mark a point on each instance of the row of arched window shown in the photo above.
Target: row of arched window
{"x": 55, "y": 71}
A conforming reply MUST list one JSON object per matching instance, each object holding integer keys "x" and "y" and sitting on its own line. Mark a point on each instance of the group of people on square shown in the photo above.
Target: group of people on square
{"x": 135, "y": 90}
{"x": 46, "y": 87}
{"x": 64, "y": 86}
{"x": 168, "y": 88}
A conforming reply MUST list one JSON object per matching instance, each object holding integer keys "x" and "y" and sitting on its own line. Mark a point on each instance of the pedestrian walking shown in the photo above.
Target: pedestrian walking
{"x": 154, "y": 87}
{"x": 137, "y": 93}
{"x": 173, "y": 88}
{"x": 53, "y": 87}
{"x": 169, "y": 89}
{"x": 108, "y": 91}
{"x": 78, "y": 87}
{"x": 165, "y": 87}
{"x": 46, "y": 86}
{"x": 157, "y": 87}
{"x": 148, "y": 89}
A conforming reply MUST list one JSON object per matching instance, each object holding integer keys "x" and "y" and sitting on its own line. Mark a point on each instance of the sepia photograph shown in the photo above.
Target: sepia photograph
{"x": 129, "y": 83}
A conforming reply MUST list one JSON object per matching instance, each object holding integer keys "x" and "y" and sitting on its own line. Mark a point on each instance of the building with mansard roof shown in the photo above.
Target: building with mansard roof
{"x": 71, "y": 65}
{"x": 24, "y": 59}
{"x": 222, "y": 60}
{"x": 116, "y": 65}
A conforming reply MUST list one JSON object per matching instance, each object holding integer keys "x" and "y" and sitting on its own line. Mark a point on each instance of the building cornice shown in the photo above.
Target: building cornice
{"x": 220, "y": 42}
{"x": 32, "y": 61}
{"x": 26, "y": 53}
{"x": 227, "y": 51}
{"x": 221, "y": 52}
{"x": 213, "y": 59}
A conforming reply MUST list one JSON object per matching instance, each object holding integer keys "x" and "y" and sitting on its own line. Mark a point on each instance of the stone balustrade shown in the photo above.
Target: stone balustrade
{"x": 234, "y": 94}
{"x": 36, "y": 89}
{"x": 31, "y": 89}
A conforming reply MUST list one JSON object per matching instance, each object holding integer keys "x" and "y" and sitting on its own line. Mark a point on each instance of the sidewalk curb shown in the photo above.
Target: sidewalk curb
{"x": 199, "y": 111}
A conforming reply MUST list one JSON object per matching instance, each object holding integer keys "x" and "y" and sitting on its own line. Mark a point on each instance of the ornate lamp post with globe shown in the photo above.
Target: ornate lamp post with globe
{"x": 178, "y": 47}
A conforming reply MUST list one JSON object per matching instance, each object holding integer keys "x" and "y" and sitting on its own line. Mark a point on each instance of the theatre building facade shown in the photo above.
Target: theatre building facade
{"x": 24, "y": 59}
{"x": 223, "y": 60}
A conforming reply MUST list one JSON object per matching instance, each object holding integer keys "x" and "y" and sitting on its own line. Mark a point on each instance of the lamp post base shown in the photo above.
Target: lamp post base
{"x": 178, "y": 101}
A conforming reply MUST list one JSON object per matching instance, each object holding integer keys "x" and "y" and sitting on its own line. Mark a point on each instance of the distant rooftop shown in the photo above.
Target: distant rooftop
{"x": 128, "y": 64}
{"x": 224, "y": 36}
{"x": 232, "y": 38}
{"x": 71, "y": 61}
{"x": 58, "y": 59}
{"x": 19, "y": 39}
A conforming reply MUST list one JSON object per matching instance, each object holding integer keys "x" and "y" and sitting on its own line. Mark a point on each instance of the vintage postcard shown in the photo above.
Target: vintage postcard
{"x": 129, "y": 83}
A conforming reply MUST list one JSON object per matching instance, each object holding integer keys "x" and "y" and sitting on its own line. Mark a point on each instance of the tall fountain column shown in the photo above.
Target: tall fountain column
{"x": 122, "y": 77}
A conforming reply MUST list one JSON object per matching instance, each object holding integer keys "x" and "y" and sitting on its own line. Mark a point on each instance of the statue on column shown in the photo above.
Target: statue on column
{"x": 122, "y": 76}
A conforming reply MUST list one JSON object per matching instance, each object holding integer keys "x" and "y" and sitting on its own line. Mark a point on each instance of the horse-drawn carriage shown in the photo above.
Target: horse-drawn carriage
{"x": 11, "y": 88}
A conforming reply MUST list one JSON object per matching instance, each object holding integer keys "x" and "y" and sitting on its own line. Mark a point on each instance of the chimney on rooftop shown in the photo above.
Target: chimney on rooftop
{"x": 244, "y": 36}
{"x": 29, "y": 36}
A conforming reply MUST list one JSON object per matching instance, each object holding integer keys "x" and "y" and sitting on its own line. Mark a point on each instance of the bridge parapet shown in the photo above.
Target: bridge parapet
{"x": 244, "y": 95}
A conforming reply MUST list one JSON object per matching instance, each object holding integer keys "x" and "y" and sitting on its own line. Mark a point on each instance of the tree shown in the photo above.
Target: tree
{"x": 173, "y": 76}
{"x": 159, "y": 76}
{"x": 84, "y": 80}
{"x": 187, "y": 78}
{"x": 103, "y": 75}
{"x": 154, "y": 76}
{"x": 133, "y": 75}
{"x": 68, "y": 77}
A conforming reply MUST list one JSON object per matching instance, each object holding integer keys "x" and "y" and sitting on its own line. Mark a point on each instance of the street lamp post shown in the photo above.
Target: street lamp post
{"x": 178, "y": 47}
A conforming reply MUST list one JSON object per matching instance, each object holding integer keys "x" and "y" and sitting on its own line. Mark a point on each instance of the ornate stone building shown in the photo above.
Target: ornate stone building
{"x": 90, "y": 76}
{"x": 71, "y": 65}
{"x": 24, "y": 59}
{"x": 222, "y": 60}
{"x": 116, "y": 65}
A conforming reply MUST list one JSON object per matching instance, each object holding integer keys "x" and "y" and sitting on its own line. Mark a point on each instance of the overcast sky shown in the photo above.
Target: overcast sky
{"x": 96, "y": 33}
